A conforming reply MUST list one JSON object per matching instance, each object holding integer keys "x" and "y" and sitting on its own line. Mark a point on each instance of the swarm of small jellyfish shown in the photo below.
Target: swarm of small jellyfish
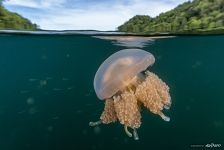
{"x": 125, "y": 84}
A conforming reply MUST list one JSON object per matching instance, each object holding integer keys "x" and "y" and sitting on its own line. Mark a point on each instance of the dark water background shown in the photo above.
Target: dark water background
{"x": 47, "y": 97}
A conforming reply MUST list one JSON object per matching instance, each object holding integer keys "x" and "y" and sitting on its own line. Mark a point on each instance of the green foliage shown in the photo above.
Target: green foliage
{"x": 191, "y": 17}
{"x": 9, "y": 20}
{"x": 136, "y": 24}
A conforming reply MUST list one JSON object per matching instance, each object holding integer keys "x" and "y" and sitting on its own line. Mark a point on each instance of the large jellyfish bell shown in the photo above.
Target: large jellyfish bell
{"x": 118, "y": 71}
{"x": 124, "y": 83}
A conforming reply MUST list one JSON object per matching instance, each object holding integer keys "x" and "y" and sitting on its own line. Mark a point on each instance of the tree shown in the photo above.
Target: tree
{"x": 219, "y": 23}
{"x": 190, "y": 17}
{"x": 211, "y": 25}
{"x": 195, "y": 24}
{"x": 9, "y": 20}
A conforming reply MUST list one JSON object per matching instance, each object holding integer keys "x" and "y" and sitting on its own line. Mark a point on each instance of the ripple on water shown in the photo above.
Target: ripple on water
{"x": 129, "y": 41}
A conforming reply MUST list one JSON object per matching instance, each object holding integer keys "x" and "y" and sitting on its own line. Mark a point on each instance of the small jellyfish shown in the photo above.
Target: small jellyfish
{"x": 126, "y": 85}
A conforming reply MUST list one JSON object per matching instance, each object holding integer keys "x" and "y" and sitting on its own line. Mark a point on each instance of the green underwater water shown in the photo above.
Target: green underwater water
{"x": 47, "y": 96}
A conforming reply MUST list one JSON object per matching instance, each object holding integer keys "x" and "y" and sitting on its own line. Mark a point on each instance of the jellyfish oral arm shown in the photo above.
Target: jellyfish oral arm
{"x": 165, "y": 118}
{"x": 135, "y": 133}
{"x": 93, "y": 124}
{"x": 127, "y": 132}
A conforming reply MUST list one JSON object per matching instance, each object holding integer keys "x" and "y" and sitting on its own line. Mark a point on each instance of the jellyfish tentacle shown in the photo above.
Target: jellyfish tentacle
{"x": 135, "y": 134}
{"x": 92, "y": 124}
{"x": 164, "y": 117}
{"x": 167, "y": 106}
{"x": 127, "y": 132}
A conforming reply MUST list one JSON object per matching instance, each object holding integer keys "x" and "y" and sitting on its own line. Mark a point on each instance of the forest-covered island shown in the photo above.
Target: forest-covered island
{"x": 196, "y": 17}
{"x": 10, "y": 20}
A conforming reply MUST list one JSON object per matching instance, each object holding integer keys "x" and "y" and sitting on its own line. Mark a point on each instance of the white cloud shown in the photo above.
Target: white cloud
{"x": 61, "y": 15}
{"x": 38, "y": 4}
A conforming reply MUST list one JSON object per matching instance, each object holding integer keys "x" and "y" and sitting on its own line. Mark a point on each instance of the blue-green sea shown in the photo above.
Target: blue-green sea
{"x": 47, "y": 97}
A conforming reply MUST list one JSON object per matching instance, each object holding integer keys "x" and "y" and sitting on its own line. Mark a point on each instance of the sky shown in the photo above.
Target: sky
{"x": 101, "y": 15}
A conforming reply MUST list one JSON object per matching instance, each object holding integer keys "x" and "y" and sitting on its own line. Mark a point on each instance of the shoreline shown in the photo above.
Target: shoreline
{"x": 104, "y": 33}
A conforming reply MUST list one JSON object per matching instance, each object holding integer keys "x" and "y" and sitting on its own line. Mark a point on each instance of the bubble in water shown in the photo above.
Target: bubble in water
{"x": 50, "y": 128}
{"x": 197, "y": 64}
{"x": 67, "y": 55}
{"x": 78, "y": 112}
{"x": 97, "y": 130}
{"x": 44, "y": 57}
{"x": 57, "y": 89}
{"x": 30, "y": 101}
{"x": 65, "y": 79}
{"x": 24, "y": 91}
{"x": 70, "y": 88}
{"x": 32, "y": 110}
{"x": 43, "y": 83}
{"x": 32, "y": 79}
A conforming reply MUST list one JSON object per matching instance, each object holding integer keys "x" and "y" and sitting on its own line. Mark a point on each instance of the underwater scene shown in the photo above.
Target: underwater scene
{"x": 48, "y": 100}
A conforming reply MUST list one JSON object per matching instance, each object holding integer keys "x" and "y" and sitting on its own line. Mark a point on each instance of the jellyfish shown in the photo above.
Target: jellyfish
{"x": 126, "y": 85}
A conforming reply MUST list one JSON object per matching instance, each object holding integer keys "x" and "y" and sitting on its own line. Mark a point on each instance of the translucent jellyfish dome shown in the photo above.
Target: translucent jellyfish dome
{"x": 117, "y": 71}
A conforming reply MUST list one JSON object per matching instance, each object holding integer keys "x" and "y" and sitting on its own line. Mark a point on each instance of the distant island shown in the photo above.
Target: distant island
{"x": 196, "y": 17}
{"x": 9, "y": 20}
